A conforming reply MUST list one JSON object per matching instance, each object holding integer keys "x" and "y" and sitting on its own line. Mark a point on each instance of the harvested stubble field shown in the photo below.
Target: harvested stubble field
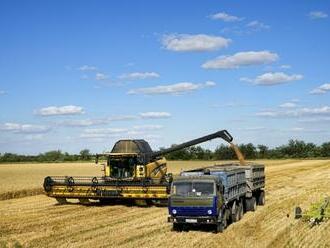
{"x": 37, "y": 221}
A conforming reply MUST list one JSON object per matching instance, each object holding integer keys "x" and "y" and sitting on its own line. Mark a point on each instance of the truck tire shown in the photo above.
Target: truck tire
{"x": 241, "y": 210}
{"x": 251, "y": 204}
{"x": 235, "y": 213}
{"x": 221, "y": 226}
{"x": 177, "y": 227}
{"x": 261, "y": 198}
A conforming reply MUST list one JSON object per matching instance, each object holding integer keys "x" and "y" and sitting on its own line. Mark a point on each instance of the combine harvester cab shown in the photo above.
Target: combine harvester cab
{"x": 215, "y": 195}
{"x": 131, "y": 171}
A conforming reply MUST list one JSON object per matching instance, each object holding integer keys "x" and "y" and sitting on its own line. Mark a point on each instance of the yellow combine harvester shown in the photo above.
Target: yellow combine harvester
{"x": 131, "y": 171}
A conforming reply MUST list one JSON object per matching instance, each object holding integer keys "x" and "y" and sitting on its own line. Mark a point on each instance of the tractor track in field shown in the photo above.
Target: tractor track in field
{"x": 37, "y": 221}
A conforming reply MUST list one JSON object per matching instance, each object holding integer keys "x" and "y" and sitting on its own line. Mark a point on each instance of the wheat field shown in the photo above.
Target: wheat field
{"x": 30, "y": 219}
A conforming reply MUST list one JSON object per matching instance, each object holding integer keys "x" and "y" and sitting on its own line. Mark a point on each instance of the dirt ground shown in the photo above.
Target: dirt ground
{"x": 37, "y": 221}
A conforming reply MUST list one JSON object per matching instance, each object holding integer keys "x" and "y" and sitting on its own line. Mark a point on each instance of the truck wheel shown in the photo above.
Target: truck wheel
{"x": 250, "y": 204}
{"x": 240, "y": 210}
{"x": 177, "y": 227}
{"x": 235, "y": 213}
{"x": 261, "y": 198}
{"x": 219, "y": 228}
{"x": 253, "y": 204}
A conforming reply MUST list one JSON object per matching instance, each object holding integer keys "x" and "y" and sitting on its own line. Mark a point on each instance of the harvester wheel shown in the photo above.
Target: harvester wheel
{"x": 261, "y": 198}
{"x": 105, "y": 201}
{"x": 84, "y": 200}
{"x": 61, "y": 200}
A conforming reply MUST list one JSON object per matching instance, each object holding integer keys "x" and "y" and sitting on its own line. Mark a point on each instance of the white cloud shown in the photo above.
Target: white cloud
{"x": 122, "y": 118}
{"x": 95, "y": 122}
{"x": 288, "y": 105}
{"x": 2, "y": 92}
{"x": 225, "y": 17}
{"x": 317, "y": 15}
{"x": 63, "y": 110}
{"x": 101, "y": 76}
{"x": 23, "y": 128}
{"x": 285, "y": 66}
{"x": 256, "y": 25}
{"x": 307, "y": 111}
{"x": 148, "y": 127}
{"x": 324, "y": 88}
{"x": 196, "y": 43}
{"x": 87, "y": 68}
{"x": 106, "y": 130}
{"x": 241, "y": 59}
{"x": 273, "y": 78}
{"x": 267, "y": 114}
{"x": 82, "y": 123}
{"x": 139, "y": 76}
{"x": 325, "y": 110}
{"x": 315, "y": 120}
{"x": 99, "y": 134}
{"x": 174, "y": 89}
{"x": 155, "y": 115}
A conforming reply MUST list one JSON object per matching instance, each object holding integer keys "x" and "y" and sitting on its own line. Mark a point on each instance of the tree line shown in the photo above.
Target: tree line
{"x": 293, "y": 149}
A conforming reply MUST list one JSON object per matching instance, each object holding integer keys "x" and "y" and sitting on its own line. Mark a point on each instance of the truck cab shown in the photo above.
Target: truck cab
{"x": 196, "y": 200}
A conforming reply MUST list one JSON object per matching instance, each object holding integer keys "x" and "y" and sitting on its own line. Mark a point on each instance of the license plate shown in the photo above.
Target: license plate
{"x": 191, "y": 220}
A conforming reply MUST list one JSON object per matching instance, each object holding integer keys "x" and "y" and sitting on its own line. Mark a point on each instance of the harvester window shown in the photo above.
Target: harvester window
{"x": 122, "y": 168}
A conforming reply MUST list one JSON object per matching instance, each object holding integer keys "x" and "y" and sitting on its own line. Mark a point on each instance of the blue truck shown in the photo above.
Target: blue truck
{"x": 215, "y": 195}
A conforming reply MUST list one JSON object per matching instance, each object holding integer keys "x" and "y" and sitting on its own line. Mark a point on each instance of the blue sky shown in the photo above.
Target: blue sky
{"x": 83, "y": 74}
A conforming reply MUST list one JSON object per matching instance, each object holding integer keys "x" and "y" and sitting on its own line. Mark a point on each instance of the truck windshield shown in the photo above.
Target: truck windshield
{"x": 192, "y": 188}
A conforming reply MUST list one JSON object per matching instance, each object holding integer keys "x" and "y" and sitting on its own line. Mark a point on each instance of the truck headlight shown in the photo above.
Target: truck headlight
{"x": 209, "y": 211}
{"x": 173, "y": 211}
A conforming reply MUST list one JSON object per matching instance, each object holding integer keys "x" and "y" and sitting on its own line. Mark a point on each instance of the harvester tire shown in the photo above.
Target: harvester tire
{"x": 261, "y": 198}
{"x": 61, "y": 200}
